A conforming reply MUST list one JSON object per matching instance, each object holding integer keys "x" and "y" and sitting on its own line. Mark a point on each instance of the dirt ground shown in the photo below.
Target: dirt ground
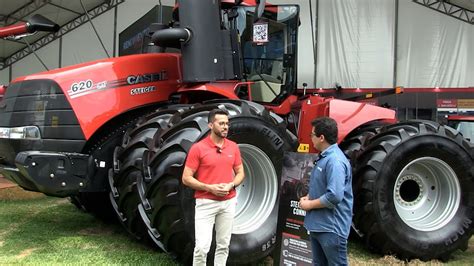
{"x": 4, "y": 183}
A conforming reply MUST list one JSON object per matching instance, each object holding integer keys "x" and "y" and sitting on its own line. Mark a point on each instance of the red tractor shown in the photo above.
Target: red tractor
{"x": 113, "y": 135}
{"x": 463, "y": 124}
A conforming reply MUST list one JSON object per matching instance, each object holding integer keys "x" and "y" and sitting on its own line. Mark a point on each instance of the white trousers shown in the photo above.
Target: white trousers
{"x": 208, "y": 213}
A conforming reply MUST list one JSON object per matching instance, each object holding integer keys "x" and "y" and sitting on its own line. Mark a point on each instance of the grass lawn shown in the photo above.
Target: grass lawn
{"x": 35, "y": 229}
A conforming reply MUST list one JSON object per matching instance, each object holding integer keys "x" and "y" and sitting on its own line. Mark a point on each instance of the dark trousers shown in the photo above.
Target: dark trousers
{"x": 328, "y": 249}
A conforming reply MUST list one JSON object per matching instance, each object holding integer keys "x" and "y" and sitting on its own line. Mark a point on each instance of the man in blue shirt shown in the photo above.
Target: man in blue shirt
{"x": 328, "y": 204}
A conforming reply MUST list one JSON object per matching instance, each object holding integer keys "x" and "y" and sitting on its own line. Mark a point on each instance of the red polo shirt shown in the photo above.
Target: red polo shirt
{"x": 214, "y": 165}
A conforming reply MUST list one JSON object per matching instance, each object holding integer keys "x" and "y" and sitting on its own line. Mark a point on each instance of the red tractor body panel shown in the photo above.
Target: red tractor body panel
{"x": 285, "y": 107}
{"x": 224, "y": 88}
{"x": 101, "y": 90}
{"x": 460, "y": 118}
{"x": 3, "y": 88}
{"x": 348, "y": 115}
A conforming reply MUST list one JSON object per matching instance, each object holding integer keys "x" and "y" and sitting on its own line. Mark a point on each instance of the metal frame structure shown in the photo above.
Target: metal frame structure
{"x": 23, "y": 11}
{"x": 449, "y": 9}
{"x": 69, "y": 26}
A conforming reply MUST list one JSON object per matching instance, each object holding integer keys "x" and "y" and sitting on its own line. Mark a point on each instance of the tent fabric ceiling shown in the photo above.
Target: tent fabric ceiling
{"x": 18, "y": 11}
{"x": 467, "y": 4}
{"x": 63, "y": 11}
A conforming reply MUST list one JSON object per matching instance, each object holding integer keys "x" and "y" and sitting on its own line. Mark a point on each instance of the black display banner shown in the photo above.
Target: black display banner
{"x": 293, "y": 237}
{"x": 132, "y": 40}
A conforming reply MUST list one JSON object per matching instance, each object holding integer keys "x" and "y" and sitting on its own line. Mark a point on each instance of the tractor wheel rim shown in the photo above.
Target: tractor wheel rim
{"x": 256, "y": 196}
{"x": 427, "y": 194}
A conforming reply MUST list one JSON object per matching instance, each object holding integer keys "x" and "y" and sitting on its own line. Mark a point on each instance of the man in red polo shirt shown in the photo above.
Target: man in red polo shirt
{"x": 209, "y": 170}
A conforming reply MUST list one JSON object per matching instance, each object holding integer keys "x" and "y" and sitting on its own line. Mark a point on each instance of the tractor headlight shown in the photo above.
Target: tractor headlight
{"x": 28, "y": 132}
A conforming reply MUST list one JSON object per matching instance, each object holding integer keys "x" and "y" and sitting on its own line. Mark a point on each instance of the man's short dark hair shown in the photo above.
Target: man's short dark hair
{"x": 212, "y": 114}
{"x": 325, "y": 126}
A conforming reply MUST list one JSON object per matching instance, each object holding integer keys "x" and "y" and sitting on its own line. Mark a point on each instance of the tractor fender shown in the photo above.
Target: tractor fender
{"x": 223, "y": 89}
{"x": 348, "y": 115}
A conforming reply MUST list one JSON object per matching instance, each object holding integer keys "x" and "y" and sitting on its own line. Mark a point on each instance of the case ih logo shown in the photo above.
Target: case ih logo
{"x": 132, "y": 80}
{"x": 145, "y": 78}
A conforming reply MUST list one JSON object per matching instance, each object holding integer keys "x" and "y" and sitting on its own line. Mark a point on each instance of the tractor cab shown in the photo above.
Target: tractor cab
{"x": 253, "y": 45}
{"x": 268, "y": 48}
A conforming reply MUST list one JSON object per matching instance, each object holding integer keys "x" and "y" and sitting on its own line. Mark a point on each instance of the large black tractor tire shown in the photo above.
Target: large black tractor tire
{"x": 352, "y": 146}
{"x": 101, "y": 147}
{"x": 95, "y": 203}
{"x": 415, "y": 191}
{"x": 127, "y": 168}
{"x": 168, "y": 207}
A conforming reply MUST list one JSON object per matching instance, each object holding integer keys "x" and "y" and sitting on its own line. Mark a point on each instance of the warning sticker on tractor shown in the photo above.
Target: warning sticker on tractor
{"x": 260, "y": 33}
{"x": 303, "y": 147}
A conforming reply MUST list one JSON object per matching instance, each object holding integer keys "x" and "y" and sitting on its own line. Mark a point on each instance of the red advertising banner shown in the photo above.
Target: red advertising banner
{"x": 447, "y": 103}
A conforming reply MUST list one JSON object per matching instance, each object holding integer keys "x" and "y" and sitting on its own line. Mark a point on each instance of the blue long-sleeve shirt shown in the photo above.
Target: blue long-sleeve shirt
{"x": 331, "y": 182}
